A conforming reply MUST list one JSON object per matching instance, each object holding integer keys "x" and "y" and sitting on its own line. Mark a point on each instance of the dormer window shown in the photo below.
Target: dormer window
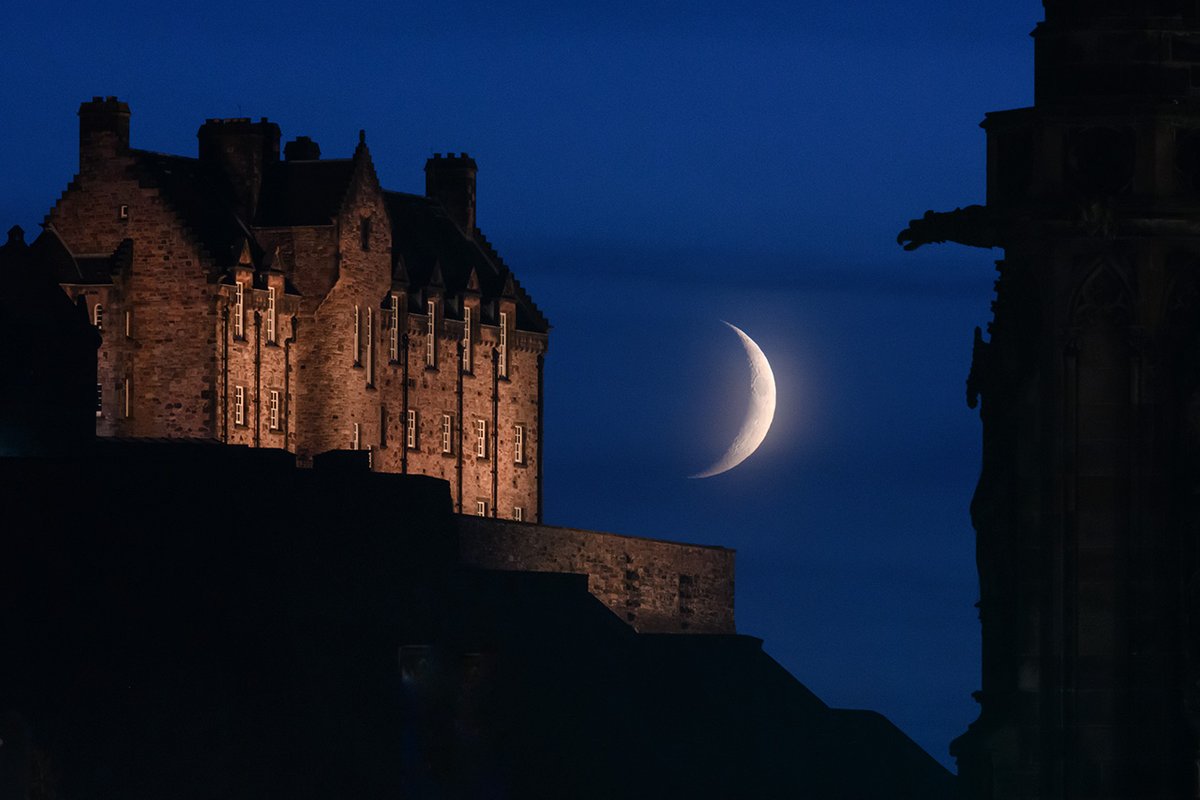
{"x": 503, "y": 344}
{"x": 466, "y": 364}
{"x": 239, "y": 310}
{"x": 364, "y": 231}
{"x": 98, "y": 317}
{"x": 394, "y": 338}
{"x": 430, "y": 336}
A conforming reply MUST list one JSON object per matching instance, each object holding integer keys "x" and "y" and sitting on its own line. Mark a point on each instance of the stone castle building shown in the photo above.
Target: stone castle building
{"x": 1087, "y": 511}
{"x": 293, "y": 303}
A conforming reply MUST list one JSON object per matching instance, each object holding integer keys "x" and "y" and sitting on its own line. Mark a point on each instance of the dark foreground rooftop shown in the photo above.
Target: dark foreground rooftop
{"x": 242, "y": 628}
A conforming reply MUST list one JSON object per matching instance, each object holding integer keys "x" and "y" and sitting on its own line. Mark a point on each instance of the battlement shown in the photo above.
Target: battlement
{"x": 104, "y": 105}
{"x": 451, "y": 160}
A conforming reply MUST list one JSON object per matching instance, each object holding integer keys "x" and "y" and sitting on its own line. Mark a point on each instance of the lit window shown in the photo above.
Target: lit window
{"x": 411, "y": 429}
{"x": 239, "y": 405}
{"x": 447, "y": 433}
{"x": 481, "y": 448}
{"x": 128, "y": 324}
{"x": 466, "y": 339}
{"x": 127, "y": 398}
{"x": 357, "y": 337}
{"x": 99, "y": 399}
{"x": 503, "y": 344}
{"x": 364, "y": 232}
{"x": 518, "y": 513}
{"x": 98, "y": 317}
{"x": 430, "y": 338}
{"x": 122, "y": 212}
{"x": 274, "y": 409}
{"x": 519, "y": 444}
{"x": 394, "y": 342}
{"x": 481, "y": 508}
{"x": 239, "y": 311}
{"x": 271, "y": 314}
{"x": 370, "y": 346}
{"x": 355, "y": 441}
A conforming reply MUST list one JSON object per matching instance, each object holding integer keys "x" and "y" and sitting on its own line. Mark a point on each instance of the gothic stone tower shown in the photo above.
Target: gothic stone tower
{"x": 1087, "y": 511}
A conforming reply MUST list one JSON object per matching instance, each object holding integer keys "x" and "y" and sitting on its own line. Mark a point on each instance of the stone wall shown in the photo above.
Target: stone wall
{"x": 655, "y": 586}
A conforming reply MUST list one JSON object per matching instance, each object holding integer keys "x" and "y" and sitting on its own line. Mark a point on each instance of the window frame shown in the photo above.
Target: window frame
{"x": 467, "y": 356}
{"x": 273, "y": 404}
{"x": 394, "y": 342}
{"x": 239, "y": 310}
{"x": 239, "y": 405}
{"x": 481, "y": 448}
{"x": 431, "y": 334}
{"x": 503, "y": 370}
{"x": 272, "y": 333}
{"x": 411, "y": 425}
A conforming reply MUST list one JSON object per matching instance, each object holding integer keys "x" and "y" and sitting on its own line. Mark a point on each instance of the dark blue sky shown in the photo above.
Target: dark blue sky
{"x": 647, "y": 172}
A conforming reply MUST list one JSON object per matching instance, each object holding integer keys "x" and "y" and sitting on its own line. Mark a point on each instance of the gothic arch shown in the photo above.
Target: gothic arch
{"x": 1105, "y": 295}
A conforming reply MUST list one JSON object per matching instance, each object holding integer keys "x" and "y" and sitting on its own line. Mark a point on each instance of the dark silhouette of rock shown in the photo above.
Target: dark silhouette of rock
{"x": 316, "y": 643}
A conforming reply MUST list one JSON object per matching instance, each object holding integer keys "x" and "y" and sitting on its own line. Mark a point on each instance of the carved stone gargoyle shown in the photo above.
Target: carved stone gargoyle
{"x": 974, "y": 226}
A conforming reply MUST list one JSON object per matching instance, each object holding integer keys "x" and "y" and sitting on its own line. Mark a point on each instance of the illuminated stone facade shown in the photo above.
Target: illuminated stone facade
{"x": 291, "y": 302}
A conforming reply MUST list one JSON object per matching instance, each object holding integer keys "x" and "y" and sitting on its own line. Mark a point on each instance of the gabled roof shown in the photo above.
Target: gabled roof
{"x": 201, "y": 197}
{"x": 303, "y": 192}
{"x": 426, "y": 241}
{"x": 56, "y": 259}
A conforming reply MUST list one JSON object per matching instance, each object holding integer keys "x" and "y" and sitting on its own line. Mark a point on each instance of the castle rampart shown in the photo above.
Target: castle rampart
{"x": 655, "y": 586}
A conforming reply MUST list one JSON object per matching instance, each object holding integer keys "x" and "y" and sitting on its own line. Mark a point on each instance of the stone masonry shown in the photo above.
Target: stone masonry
{"x": 655, "y": 586}
{"x": 293, "y": 303}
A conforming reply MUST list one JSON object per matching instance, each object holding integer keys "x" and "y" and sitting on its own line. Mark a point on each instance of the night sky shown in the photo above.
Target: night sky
{"x": 648, "y": 172}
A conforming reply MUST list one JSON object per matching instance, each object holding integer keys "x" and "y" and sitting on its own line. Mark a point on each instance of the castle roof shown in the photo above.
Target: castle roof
{"x": 200, "y": 195}
{"x": 303, "y": 192}
{"x": 426, "y": 241}
{"x": 94, "y": 270}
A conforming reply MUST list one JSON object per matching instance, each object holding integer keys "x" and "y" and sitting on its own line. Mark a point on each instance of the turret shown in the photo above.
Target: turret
{"x": 450, "y": 180}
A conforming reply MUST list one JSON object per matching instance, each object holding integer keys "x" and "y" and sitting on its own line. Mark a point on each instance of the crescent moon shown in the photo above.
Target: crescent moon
{"x": 758, "y": 417}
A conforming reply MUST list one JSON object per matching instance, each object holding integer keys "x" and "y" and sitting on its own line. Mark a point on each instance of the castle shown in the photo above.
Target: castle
{"x": 293, "y": 303}
{"x": 405, "y": 650}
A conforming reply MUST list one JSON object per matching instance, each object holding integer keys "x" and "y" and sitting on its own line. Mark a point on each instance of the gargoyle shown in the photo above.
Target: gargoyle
{"x": 974, "y": 226}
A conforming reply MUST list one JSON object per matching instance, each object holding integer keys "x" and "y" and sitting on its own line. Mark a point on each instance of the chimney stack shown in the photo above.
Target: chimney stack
{"x": 103, "y": 130}
{"x": 242, "y": 150}
{"x": 450, "y": 180}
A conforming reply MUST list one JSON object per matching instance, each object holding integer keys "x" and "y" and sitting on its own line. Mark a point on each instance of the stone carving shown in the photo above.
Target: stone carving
{"x": 974, "y": 226}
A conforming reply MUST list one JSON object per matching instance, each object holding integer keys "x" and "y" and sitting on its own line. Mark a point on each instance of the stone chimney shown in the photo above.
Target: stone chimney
{"x": 450, "y": 180}
{"x": 301, "y": 148}
{"x": 242, "y": 150}
{"x": 103, "y": 130}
